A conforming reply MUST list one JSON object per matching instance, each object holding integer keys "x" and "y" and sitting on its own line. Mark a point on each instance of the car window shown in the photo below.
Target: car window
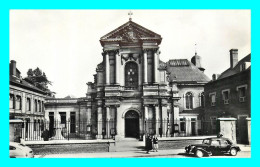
{"x": 215, "y": 143}
{"x": 223, "y": 142}
{"x": 229, "y": 142}
{"x": 12, "y": 148}
{"x": 205, "y": 142}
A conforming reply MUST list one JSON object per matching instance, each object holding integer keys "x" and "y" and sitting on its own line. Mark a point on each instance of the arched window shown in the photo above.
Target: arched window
{"x": 202, "y": 100}
{"x": 189, "y": 100}
{"x": 18, "y": 102}
{"x": 11, "y": 101}
{"x": 131, "y": 75}
{"x": 39, "y": 106}
{"x": 35, "y": 105}
{"x": 28, "y": 104}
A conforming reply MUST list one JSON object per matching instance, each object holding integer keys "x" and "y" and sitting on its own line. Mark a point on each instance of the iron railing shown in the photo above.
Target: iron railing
{"x": 67, "y": 130}
{"x": 179, "y": 127}
{"x": 106, "y": 129}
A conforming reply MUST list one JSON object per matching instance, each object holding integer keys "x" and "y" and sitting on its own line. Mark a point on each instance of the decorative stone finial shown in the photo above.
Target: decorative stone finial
{"x": 130, "y": 13}
{"x": 195, "y": 49}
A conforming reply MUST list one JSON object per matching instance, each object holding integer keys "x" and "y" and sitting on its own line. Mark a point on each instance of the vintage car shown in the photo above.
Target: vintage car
{"x": 213, "y": 146}
{"x": 18, "y": 150}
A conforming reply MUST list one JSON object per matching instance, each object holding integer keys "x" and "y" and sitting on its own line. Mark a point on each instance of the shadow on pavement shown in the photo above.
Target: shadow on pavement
{"x": 187, "y": 155}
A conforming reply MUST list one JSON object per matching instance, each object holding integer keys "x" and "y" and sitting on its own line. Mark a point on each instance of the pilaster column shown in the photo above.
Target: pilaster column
{"x": 68, "y": 121}
{"x": 156, "y": 62}
{"x": 24, "y": 129}
{"x": 145, "y": 66}
{"x": 23, "y": 103}
{"x": 88, "y": 123}
{"x": 117, "y": 60}
{"x": 157, "y": 120}
{"x": 108, "y": 120}
{"x": 249, "y": 130}
{"x": 99, "y": 123}
{"x": 170, "y": 124}
{"x": 32, "y": 104}
{"x": 88, "y": 115}
{"x": 107, "y": 69}
{"x": 164, "y": 118}
{"x": 145, "y": 119}
{"x": 120, "y": 126}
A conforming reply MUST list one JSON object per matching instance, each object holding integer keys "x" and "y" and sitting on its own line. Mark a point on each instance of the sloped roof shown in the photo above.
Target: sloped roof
{"x": 24, "y": 84}
{"x": 236, "y": 69}
{"x": 182, "y": 70}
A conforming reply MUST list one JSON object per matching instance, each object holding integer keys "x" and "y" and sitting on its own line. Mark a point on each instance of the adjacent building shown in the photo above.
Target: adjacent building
{"x": 26, "y": 102}
{"x": 229, "y": 95}
{"x": 72, "y": 113}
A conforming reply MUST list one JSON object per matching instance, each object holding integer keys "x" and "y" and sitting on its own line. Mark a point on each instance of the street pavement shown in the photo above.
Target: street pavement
{"x": 177, "y": 153}
{"x": 132, "y": 148}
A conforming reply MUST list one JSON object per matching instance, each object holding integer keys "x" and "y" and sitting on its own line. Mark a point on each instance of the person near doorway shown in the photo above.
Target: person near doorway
{"x": 220, "y": 135}
{"x": 148, "y": 143}
{"x": 155, "y": 143}
{"x": 45, "y": 135}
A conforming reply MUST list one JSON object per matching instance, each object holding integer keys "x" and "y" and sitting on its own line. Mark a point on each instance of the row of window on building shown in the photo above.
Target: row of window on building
{"x": 241, "y": 92}
{"x": 189, "y": 100}
{"x": 15, "y": 102}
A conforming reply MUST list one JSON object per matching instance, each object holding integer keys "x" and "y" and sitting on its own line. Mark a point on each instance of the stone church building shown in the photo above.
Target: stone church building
{"x": 134, "y": 92}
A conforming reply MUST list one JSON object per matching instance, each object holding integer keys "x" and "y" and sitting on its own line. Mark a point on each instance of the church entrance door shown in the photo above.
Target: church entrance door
{"x": 132, "y": 124}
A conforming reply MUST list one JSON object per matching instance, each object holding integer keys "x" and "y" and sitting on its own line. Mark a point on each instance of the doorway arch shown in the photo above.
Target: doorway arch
{"x": 132, "y": 124}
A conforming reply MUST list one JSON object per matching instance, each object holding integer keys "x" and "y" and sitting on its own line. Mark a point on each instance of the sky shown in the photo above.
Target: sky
{"x": 65, "y": 43}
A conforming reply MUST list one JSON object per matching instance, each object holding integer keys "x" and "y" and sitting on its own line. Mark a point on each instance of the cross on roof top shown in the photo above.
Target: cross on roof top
{"x": 195, "y": 48}
{"x": 130, "y": 13}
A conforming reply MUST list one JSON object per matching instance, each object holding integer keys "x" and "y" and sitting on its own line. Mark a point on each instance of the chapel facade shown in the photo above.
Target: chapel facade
{"x": 135, "y": 93}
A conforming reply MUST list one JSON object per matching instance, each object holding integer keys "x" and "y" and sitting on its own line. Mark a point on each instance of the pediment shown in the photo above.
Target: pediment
{"x": 130, "y": 31}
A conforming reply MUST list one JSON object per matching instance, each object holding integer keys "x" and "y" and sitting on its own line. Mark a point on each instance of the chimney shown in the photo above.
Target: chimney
{"x": 215, "y": 77}
{"x": 13, "y": 68}
{"x": 233, "y": 57}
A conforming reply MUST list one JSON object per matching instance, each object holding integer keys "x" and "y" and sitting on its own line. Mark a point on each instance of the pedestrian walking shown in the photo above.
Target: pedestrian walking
{"x": 148, "y": 143}
{"x": 45, "y": 135}
{"x": 155, "y": 144}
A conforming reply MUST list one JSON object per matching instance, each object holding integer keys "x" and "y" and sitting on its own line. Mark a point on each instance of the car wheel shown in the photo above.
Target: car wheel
{"x": 199, "y": 153}
{"x": 233, "y": 151}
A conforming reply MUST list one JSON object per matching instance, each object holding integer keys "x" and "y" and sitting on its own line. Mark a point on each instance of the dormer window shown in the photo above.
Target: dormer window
{"x": 243, "y": 67}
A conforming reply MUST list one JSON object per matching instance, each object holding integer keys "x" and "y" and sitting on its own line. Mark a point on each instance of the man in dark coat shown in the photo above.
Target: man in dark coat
{"x": 149, "y": 145}
{"x": 45, "y": 135}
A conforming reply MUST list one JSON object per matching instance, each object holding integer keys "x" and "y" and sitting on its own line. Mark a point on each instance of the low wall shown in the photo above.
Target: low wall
{"x": 176, "y": 144}
{"x": 69, "y": 148}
